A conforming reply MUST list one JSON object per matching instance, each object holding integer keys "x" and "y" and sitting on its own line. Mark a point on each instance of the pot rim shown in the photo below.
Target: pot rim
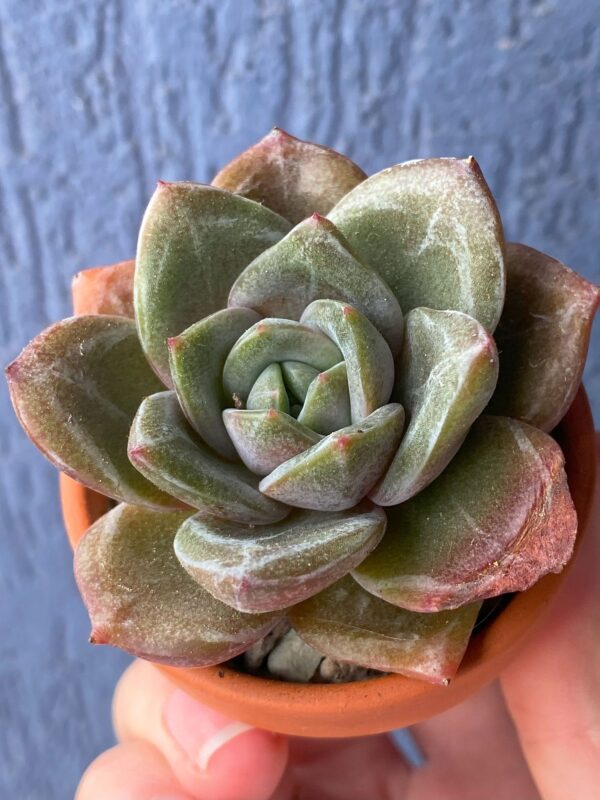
{"x": 380, "y": 703}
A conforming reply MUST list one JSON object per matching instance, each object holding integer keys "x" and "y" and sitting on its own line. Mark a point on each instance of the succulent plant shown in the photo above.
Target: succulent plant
{"x": 331, "y": 410}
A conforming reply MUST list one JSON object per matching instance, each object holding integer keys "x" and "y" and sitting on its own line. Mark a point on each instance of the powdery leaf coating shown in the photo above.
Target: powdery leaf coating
{"x": 273, "y": 340}
{"x": 342, "y": 468}
{"x": 275, "y": 566}
{"x": 298, "y": 377}
{"x": 265, "y": 439}
{"x": 313, "y": 262}
{"x": 369, "y": 361}
{"x": 543, "y": 337}
{"x": 347, "y": 623}
{"x": 141, "y": 600}
{"x": 76, "y": 388}
{"x": 432, "y": 230}
{"x": 104, "y": 290}
{"x": 164, "y": 448}
{"x": 327, "y": 403}
{"x": 269, "y": 391}
{"x": 498, "y": 518}
{"x": 194, "y": 242}
{"x": 446, "y": 374}
{"x": 196, "y": 359}
{"x": 290, "y": 176}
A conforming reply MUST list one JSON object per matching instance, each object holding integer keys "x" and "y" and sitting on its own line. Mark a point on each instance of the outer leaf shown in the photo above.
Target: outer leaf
{"x": 275, "y": 566}
{"x": 432, "y": 231}
{"x": 274, "y": 340}
{"x": 196, "y": 359}
{"x": 369, "y": 362}
{"x": 543, "y": 337}
{"x": 163, "y": 447}
{"x": 498, "y": 518}
{"x": 265, "y": 439}
{"x": 314, "y": 262}
{"x": 341, "y": 469}
{"x": 76, "y": 388}
{"x": 327, "y": 404}
{"x": 141, "y": 600}
{"x": 290, "y": 176}
{"x": 194, "y": 242}
{"x": 446, "y": 374}
{"x": 269, "y": 391}
{"x": 298, "y": 377}
{"x": 347, "y": 624}
{"x": 104, "y": 290}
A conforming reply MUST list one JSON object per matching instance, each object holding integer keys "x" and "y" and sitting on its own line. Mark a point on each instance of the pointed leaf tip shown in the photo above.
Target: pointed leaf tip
{"x": 291, "y": 176}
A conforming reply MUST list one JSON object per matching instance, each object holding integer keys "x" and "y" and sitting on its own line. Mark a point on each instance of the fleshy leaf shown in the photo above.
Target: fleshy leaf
{"x": 542, "y": 337}
{"x": 327, "y": 405}
{"x": 347, "y": 623}
{"x": 290, "y": 176}
{"x": 274, "y": 566}
{"x": 445, "y": 376}
{"x": 104, "y": 290}
{"x": 313, "y": 262}
{"x": 76, "y": 388}
{"x": 274, "y": 340}
{"x": 165, "y": 449}
{"x": 140, "y": 598}
{"x": 432, "y": 230}
{"x": 194, "y": 242}
{"x": 196, "y": 359}
{"x": 265, "y": 439}
{"x": 341, "y": 469}
{"x": 369, "y": 361}
{"x": 298, "y": 377}
{"x": 497, "y": 519}
{"x": 269, "y": 391}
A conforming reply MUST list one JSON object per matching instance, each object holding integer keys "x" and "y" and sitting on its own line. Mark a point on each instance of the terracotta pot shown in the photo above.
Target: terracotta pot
{"x": 392, "y": 701}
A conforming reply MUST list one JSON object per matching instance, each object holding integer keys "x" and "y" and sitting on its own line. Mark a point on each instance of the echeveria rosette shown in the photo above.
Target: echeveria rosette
{"x": 315, "y": 351}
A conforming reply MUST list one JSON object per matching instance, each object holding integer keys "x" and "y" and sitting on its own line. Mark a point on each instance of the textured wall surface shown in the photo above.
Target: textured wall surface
{"x": 99, "y": 98}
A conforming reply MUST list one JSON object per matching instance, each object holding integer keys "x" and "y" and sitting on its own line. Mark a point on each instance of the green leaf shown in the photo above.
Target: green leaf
{"x": 431, "y": 229}
{"x": 445, "y": 376}
{"x": 196, "y": 359}
{"x": 298, "y": 377}
{"x": 313, "y": 262}
{"x": 347, "y": 624}
{"x": 76, "y": 388}
{"x": 269, "y": 391}
{"x": 140, "y": 599}
{"x": 290, "y": 176}
{"x": 194, "y": 242}
{"x": 543, "y": 337}
{"x": 274, "y": 566}
{"x": 341, "y": 469}
{"x": 327, "y": 405}
{"x": 104, "y": 290}
{"x": 165, "y": 449}
{"x": 274, "y": 340}
{"x": 265, "y": 439}
{"x": 498, "y": 518}
{"x": 369, "y": 362}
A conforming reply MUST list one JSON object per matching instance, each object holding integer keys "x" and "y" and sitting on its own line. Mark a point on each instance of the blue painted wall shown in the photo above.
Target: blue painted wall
{"x": 99, "y": 98}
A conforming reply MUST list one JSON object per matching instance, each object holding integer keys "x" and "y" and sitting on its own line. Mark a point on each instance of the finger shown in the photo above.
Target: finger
{"x": 131, "y": 771}
{"x": 472, "y": 751}
{"x": 348, "y": 769}
{"x": 211, "y": 755}
{"x": 553, "y": 688}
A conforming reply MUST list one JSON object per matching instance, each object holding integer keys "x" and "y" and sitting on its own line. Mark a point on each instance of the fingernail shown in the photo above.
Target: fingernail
{"x": 198, "y": 730}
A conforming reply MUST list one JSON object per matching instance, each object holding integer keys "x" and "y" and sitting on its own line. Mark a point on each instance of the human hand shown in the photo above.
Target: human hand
{"x": 535, "y": 734}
